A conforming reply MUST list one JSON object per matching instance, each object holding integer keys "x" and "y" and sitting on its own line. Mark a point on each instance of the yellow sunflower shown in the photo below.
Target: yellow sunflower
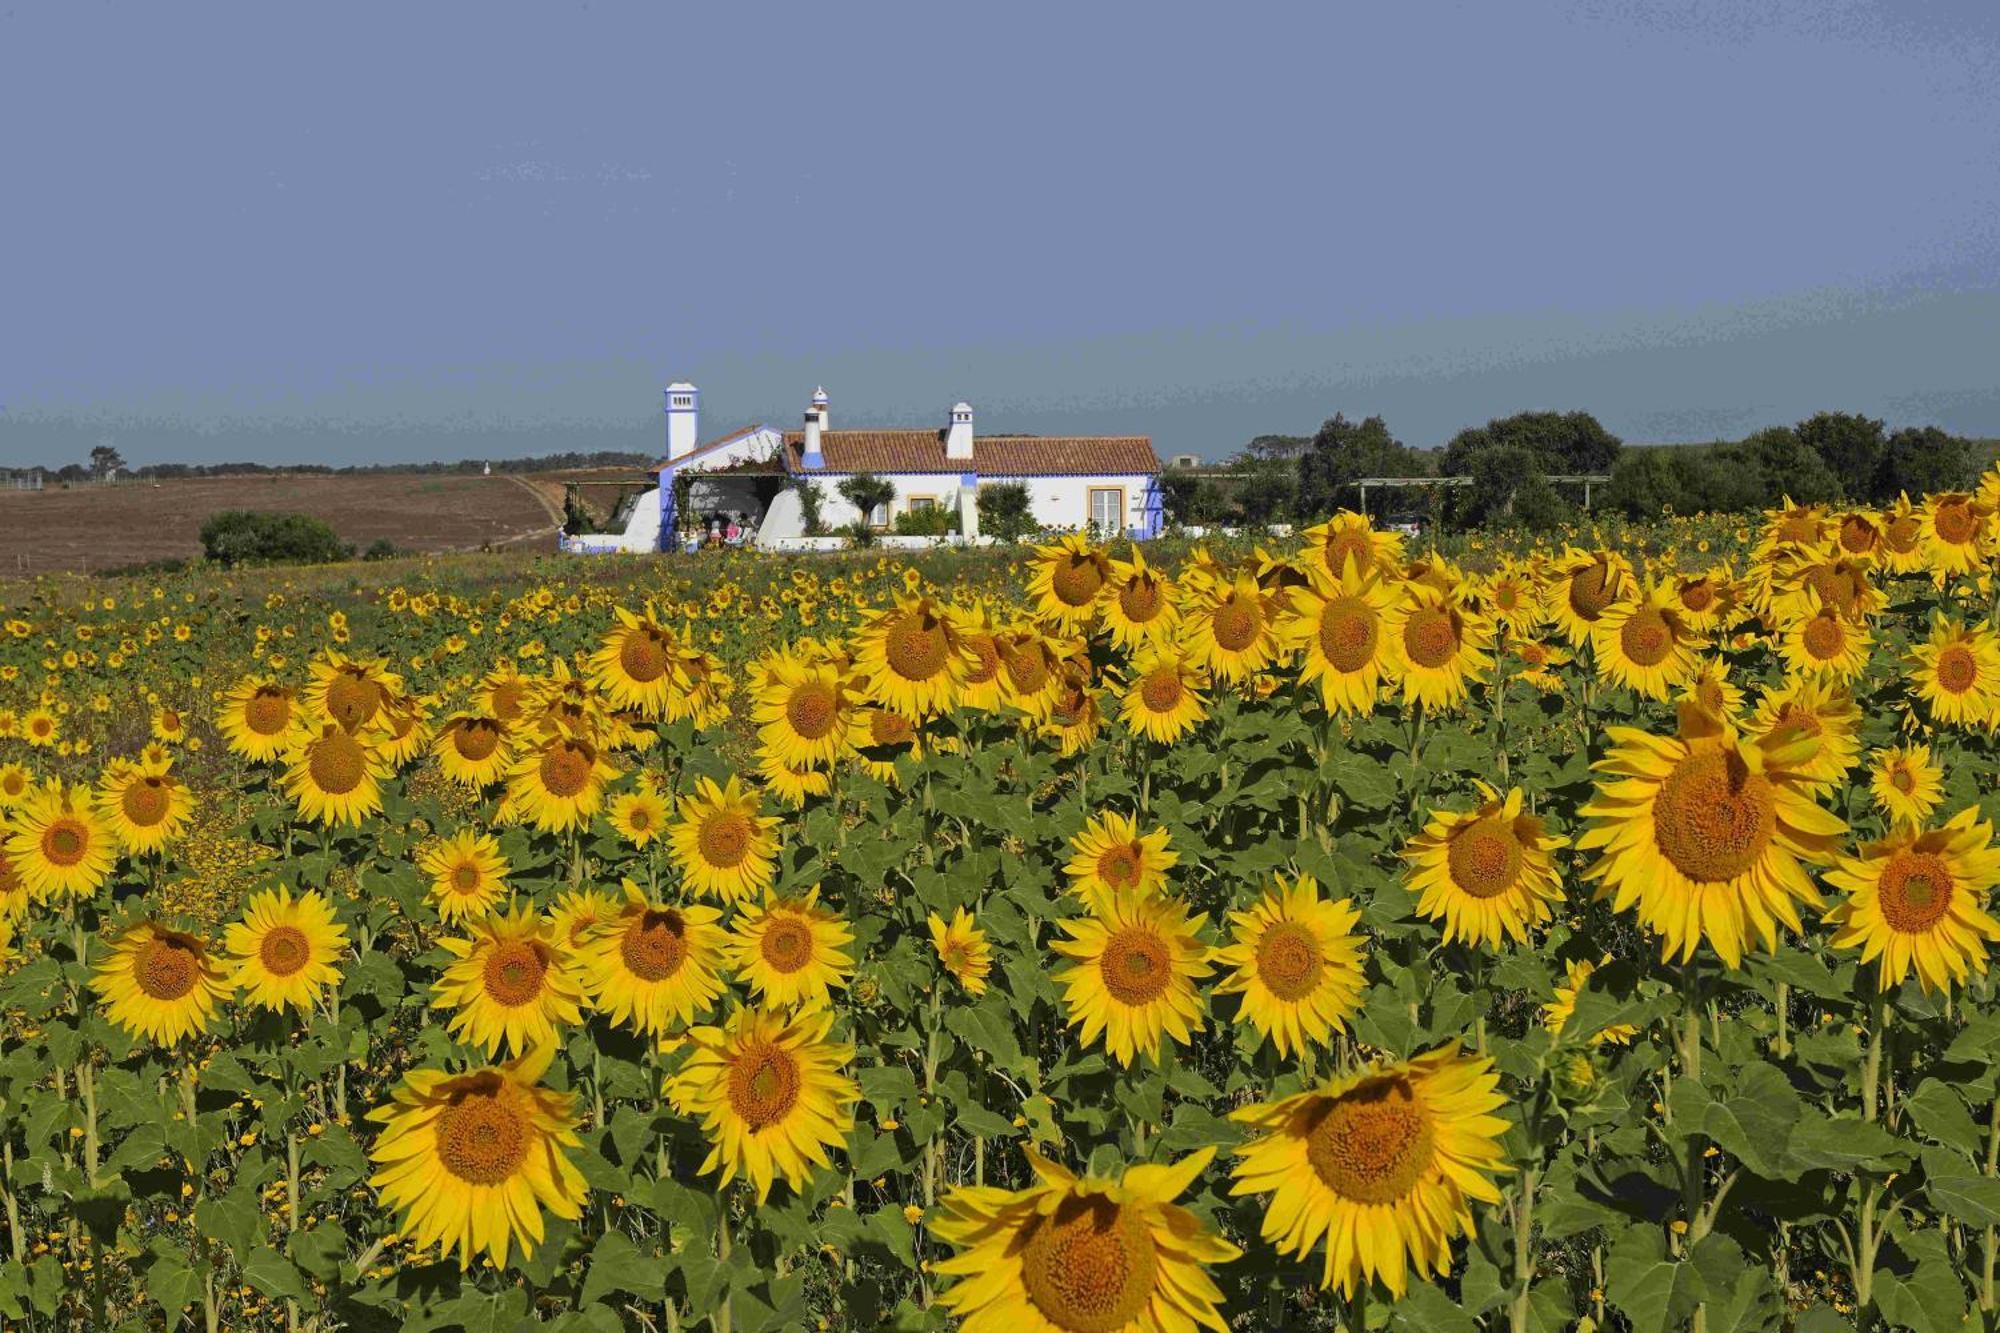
{"x": 1030, "y": 669}
{"x": 468, "y": 874}
{"x": 40, "y": 728}
{"x": 1513, "y": 597}
{"x": 1957, "y": 534}
{"x": 1142, "y": 605}
{"x": 576, "y": 915}
{"x": 1583, "y": 586}
{"x": 1825, "y": 644}
{"x": 1379, "y": 1165}
{"x": 145, "y": 805}
{"x": 1164, "y": 702}
{"x": 15, "y": 784}
{"x": 256, "y": 717}
{"x": 1486, "y": 873}
{"x": 1642, "y": 643}
{"x": 472, "y": 1160}
{"x": 1905, "y": 784}
{"x": 1957, "y": 673}
{"x": 887, "y": 737}
{"x": 638, "y": 816}
{"x": 1810, "y": 707}
{"x": 1902, "y": 550}
{"x": 1349, "y": 537}
{"x": 1069, "y": 581}
{"x": 791, "y": 786}
{"x": 1918, "y": 898}
{"x": 653, "y": 967}
{"x": 1231, "y": 629}
{"x": 1705, "y": 601}
{"x": 350, "y": 691}
{"x": 724, "y": 844}
{"x": 635, "y": 665}
{"x": 334, "y": 776}
{"x": 791, "y": 950}
{"x": 1112, "y": 858}
{"x": 962, "y": 949}
{"x": 473, "y": 749}
{"x": 771, "y": 1094}
{"x": 14, "y": 895}
{"x": 60, "y": 846}
{"x": 1557, "y": 1013}
{"x": 913, "y": 656}
{"x": 805, "y": 713}
{"x": 1436, "y": 648}
{"x": 284, "y": 952}
{"x": 1713, "y": 691}
{"x": 403, "y": 728}
{"x": 1136, "y": 962}
{"x": 512, "y": 983}
{"x": 1073, "y": 1253}
{"x": 558, "y": 785}
{"x": 1337, "y": 621}
{"x": 159, "y": 983}
{"x": 1297, "y": 961}
{"x": 1703, "y": 834}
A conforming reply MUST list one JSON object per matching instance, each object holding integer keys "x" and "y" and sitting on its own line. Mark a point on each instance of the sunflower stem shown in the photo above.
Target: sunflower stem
{"x": 1871, "y": 1070}
{"x": 1782, "y": 1046}
{"x": 1986, "y": 1291}
{"x": 722, "y": 1311}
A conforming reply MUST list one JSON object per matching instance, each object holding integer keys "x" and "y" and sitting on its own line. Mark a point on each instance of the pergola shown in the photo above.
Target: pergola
{"x": 1586, "y": 480}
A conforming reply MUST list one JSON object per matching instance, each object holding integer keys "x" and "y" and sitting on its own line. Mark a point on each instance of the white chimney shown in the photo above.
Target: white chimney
{"x": 683, "y": 418}
{"x": 811, "y": 454}
{"x": 958, "y": 440}
{"x": 820, "y": 404}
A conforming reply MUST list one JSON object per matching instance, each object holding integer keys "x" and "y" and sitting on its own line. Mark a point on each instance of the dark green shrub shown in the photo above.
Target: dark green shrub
{"x": 247, "y": 537}
{"x": 1004, "y": 511}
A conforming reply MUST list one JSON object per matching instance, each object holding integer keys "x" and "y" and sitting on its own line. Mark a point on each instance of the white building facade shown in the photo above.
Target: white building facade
{"x": 751, "y": 476}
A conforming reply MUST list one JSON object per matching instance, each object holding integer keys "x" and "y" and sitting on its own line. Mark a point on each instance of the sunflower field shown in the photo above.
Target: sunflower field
{"x": 1578, "y": 934}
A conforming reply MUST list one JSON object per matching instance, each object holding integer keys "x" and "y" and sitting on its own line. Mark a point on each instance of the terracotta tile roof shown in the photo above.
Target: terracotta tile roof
{"x": 992, "y": 455}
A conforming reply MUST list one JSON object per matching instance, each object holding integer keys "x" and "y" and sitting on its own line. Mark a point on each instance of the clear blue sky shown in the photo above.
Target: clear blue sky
{"x": 429, "y": 230}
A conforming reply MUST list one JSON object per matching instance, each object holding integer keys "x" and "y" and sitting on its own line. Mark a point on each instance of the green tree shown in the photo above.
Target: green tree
{"x": 1785, "y": 465}
{"x": 247, "y": 537}
{"x": 1344, "y": 451}
{"x": 1919, "y": 459}
{"x": 1177, "y": 494}
{"x": 1270, "y": 491}
{"x": 1004, "y": 511}
{"x": 867, "y": 493}
{"x": 1851, "y": 447}
{"x": 1561, "y": 443}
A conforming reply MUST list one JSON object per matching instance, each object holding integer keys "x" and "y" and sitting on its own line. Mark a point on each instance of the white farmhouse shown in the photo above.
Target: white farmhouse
{"x": 751, "y": 475}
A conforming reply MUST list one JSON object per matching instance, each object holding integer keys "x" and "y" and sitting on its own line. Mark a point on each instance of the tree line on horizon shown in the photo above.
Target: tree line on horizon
{"x": 106, "y": 461}
{"x": 1509, "y": 461}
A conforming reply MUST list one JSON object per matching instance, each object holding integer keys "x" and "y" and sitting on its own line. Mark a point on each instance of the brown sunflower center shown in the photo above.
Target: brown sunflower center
{"x": 1902, "y": 780}
{"x": 337, "y": 763}
{"x": 167, "y": 967}
{"x": 1915, "y": 891}
{"x": 1698, "y": 596}
{"x": 1091, "y": 1266}
{"x": 642, "y": 656}
{"x": 268, "y": 711}
{"x": 810, "y": 710}
{"x": 1141, "y": 599}
{"x": 1161, "y": 689}
{"x": 1076, "y": 579}
{"x": 1902, "y": 534}
{"x": 465, "y": 877}
{"x": 1955, "y": 522}
{"x": 1348, "y": 629}
{"x": 1289, "y": 961}
{"x": 763, "y": 1084}
{"x": 65, "y": 841}
{"x": 787, "y": 945}
{"x": 1372, "y": 1144}
{"x": 986, "y": 659}
{"x": 1346, "y": 543}
{"x": 352, "y": 698}
{"x": 639, "y": 819}
{"x": 917, "y": 646}
{"x": 145, "y": 802}
{"x": 284, "y": 950}
{"x": 514, "y": 972}
{"x": 1824, "y": 637}
{"x": 566, "y": 768}
{"x": 1237, "y": 623}
{"x": 476, "y": 739}
{"x": 481, "y": 1138}
{"x": 1957, "y": 669}
{"x": 655, "y": 945}
{"x": 1120, "y": 866}
{"x": 724, "y": 839}
{"x": 1798, "y": 529}
{"x": 505, "y": 699}
{"x": 1646, "y": 637}
{"x": 1592, "y": 589}
{"x": 1430, "y": 636}
{"x": 1713, "y": 817}
{"x": 887, "y": 728}
{"x": 1484, "y": 857}
{"x": 1136, "y": 964}
{"x": 1027, "y": 671}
